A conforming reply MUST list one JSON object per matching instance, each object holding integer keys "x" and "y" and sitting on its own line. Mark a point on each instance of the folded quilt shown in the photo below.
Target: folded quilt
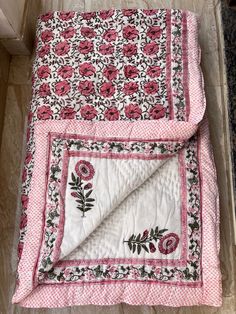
{"x": 119, "y": 195}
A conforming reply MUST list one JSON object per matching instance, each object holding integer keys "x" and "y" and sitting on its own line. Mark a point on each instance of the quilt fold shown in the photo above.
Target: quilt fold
{"x": 119, "y": 194}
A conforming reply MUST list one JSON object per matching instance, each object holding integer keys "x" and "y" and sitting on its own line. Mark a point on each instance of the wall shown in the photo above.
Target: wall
{"x": 4, "y": 70}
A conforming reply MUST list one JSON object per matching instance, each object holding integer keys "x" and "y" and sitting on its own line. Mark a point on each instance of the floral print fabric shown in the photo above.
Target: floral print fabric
{"x": 113, "y": 65}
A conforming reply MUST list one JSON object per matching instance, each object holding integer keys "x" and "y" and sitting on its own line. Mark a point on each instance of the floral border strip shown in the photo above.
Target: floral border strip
{"x": 178, "y": 64}
{"x": 190, "y": 273}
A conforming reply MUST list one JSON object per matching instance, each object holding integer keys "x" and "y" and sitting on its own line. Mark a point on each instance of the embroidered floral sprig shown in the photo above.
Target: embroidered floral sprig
{"x": 83, "y": 190}
{"x": 145, "y": 241}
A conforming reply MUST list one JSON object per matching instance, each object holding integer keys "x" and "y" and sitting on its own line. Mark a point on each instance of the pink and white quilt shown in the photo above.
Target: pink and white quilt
{"x": 119, "y": 195}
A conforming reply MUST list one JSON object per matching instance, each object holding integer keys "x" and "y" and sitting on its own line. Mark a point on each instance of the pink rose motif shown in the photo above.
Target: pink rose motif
{"x": 151, "y": 87}
{"x": 28, "y": 158}
{"x": 152, "y": 248}
{"x": 46, "y": 17}
{"x": 154, "y": 71}
{"x": 90, "y": 275}
{"x": 52, "y": 230}
{"x": 133, "y": 111}
{"x": 85, "y": 46}
{"x": 44, "y": 51}
{"x": 86, "y": 88}
{"x": 24, "y": 175}
{"x": 20, "y": 249}
{"x": 62, "y": 48}
{"x": 106, "y": 49}
{"x": 110, "y": 72}
{"x": 88, "y": 32}
{"x": 135, "y": 274}
{"x": 47, "y": 35}
{"x": 65, "y": 71}
{"x": 130, "y": 88}
{"x": 43, "y": 72}
{"x": 129, "y": 50}
{"x": 179, "y": 276}
{"x": 88, "y": 15}
{"x": 107, "y": 89}
{"x": 106, "y": 14}
{"x": 33, "y": 79}
{"x": 68, "y": 33}
{"x": 67, "y": 113}
{"x": 151, "y": 49}
{"x": 74, "y": 194}
{"x": 154, "y": 32}
{"x": 149, "y": 12}
{"x": 28, "y": 134}
{"x": 168, "y": 243}
{"x": 67, "y": 272}
{"x": 62, "y": 88}
{"x": 157, "y": 112}
{"x": 44, "y": 112}
{"x": 86, "y": 69}
{"x": 44, "y": 90}
{"x": 145, "y": 234}
{"x": 24, "y": 200}
{"x": 65, "y": 16}
{"x": 23, "y": 221}
{"x": 131, "y": 71}
{"x": 84, "y": 170}
{"x": 88, "y": 112}
{"x": 130, "y": 32}
{"x": 30, "y": 117}
{"x": 112, "y": 114}
{"x": 88, "y": 186}
{"x": 110, "y": 35}
{"x": 192, "y": 210}
{"x": 129, "y": 12}
{"x": 157, "y": 271}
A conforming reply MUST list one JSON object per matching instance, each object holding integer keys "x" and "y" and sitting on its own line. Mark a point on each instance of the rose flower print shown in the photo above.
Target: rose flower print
{"x": 62, "y": 88}
{"x": 86, "y": 88}
{"x": 85, "y": 47}
{"x": 133, "y": 111}
{"x": 112, "y": 114}
{"x": 88, "y": 112}
{"x": 107, "y": 90}
{"x": 157, "y": 112}
{"x": 86, "y": 69}
{"x": 146, "y": 241}
{"x": 87, "y": 32}
{"x": 110, "y": 72}
{"x": 81, "y": 188}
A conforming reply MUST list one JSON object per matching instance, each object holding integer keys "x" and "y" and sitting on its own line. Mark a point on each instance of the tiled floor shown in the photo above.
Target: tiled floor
{"x": 18, "y": 96}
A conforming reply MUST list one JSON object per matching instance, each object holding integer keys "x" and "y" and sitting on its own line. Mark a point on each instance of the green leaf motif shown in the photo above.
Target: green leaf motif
{"x": 85, "y": 202}
{"x": 73, "y": 177}
{"x": 141, "y": 240}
